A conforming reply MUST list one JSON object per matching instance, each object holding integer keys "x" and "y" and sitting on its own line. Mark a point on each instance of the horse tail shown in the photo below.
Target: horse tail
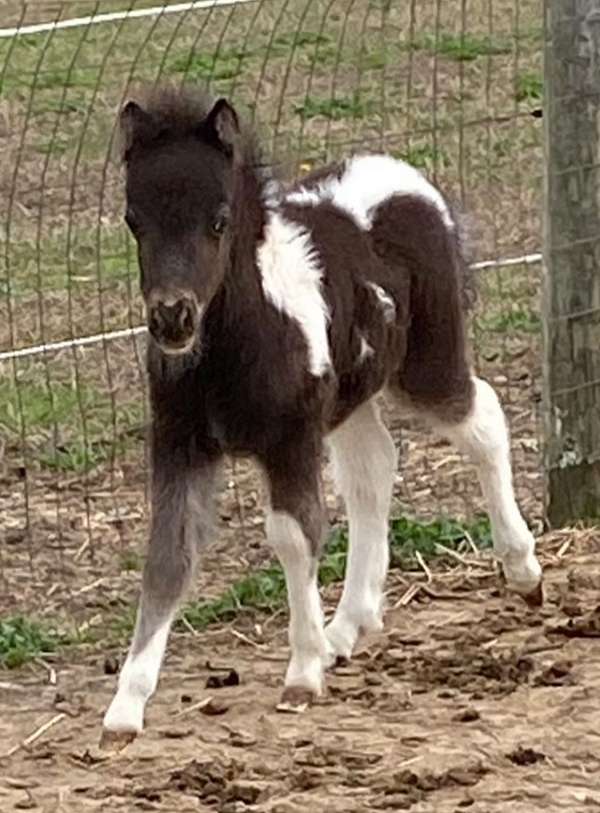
{"x": 418, "y": 233}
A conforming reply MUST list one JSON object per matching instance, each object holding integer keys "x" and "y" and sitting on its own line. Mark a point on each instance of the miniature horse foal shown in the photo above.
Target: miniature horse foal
{"x": 276, "y": 316}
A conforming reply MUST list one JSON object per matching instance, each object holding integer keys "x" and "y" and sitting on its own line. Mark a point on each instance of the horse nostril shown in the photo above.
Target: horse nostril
{"x": 155, "y": 322}
{"x": 186, "y": 318}
{"x": 173, "y": 323}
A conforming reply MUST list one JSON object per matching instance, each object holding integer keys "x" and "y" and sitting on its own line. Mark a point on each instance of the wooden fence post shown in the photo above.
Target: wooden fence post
{"x": 571, "y": 314}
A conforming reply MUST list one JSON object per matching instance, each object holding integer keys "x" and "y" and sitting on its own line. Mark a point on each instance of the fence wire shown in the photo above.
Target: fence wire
{"x": 454, "y": 88}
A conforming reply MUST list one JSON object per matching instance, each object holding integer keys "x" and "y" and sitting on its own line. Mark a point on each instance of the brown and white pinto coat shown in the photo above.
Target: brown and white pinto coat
{"x": 277, "y": 315}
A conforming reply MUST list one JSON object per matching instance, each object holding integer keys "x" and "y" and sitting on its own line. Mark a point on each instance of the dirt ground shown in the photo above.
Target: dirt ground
{"x": 467, "y": 701}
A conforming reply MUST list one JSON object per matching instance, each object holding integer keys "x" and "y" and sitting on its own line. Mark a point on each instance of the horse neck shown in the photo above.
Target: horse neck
{"x": 242, "y": 283}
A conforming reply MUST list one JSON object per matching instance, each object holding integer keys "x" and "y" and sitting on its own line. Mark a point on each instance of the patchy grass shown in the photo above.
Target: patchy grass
{"x": 130, "y": 560}
{"x": 529, "y": 87}
{"x": 509, "y": 304}
{"x": 265, "y": 590}
{"x": 60, "y": 412}
{"x": 220, "y": 66}
{"x": 56, "y": 146}
{"x": 516, "y": 320}
{"x": 232, "y": 62}
{"x": 39, "y": 408}
{"x": 80, "y": 457}
{"x": 462, "y": 47}
{"x": 337, "y": 108}
{"x": 424, "y": 156}
{"x": 63, "y": 261}
{"x": 302, "y": 39}
{"x": 24, "y": 639}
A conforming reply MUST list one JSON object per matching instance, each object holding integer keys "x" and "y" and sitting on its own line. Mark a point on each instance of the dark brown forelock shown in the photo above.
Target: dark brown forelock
{"x": 176, "y": 112}
{"x": 173, "y": 113}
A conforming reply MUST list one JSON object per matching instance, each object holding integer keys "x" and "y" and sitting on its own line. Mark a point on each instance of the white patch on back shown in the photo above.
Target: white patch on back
{"x": 366, "y": 183}
{"x": 291, "y": 280}
{"x": 385, "y": 300}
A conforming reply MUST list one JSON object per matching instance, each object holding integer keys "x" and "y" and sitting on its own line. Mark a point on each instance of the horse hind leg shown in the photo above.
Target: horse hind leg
{"x": 436, "y": 377}
{"x": 364, "y": 460}
{"x": 479, "y": 431}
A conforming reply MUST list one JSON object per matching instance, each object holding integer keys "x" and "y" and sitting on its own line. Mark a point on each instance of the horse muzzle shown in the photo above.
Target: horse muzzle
{"x": 173, "y": 322}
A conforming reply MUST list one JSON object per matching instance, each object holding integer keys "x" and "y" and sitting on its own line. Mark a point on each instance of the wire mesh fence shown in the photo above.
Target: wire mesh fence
{"x": 453, "y": 87}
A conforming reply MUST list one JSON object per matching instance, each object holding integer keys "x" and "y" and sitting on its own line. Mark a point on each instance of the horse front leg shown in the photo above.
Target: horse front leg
{"x": 182, "y": 516}
{"x": 295, "y": 524}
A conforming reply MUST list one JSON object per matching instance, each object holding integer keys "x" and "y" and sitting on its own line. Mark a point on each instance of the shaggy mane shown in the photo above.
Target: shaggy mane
{"x": 175, "y": 112}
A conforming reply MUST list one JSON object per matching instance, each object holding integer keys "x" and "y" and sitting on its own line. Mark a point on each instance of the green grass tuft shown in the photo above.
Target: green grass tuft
{"x": 67, "y": 262}
{"x": 219, "y": 66}
{"x": 79, "y": 457}
{"x": 342, "y": 107}
{"x": 130, "y": 560}
{"x": 265, "y": 591}
{"x": 23, "y": 639}
{"x": 229, "y": 63}
{"x": 56, "y": 146}
{"x": 42, "y": 410}
{"x": 529, "y": 88}
{"x": 517, "y": 320}
{"x": 408, "y": 537}
{"x": 424, "y": 156}
{"x": 39, "y": 407}
{"x": 462, "y": 47}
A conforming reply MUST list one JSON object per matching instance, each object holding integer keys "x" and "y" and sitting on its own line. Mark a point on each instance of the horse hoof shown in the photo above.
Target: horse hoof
{"x": 295, "y": 700}
{"x": 536, "y": 597}
{"x": 116, "y": 740}
{"x": 340, "y": 661}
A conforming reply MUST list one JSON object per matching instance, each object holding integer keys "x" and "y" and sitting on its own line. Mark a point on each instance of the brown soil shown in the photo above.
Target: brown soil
{"x": 468, "y": 701}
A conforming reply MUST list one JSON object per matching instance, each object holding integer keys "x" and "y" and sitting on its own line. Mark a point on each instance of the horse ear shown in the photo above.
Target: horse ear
{"x": 222, "y": 124}
{"x": 135, "y": 124}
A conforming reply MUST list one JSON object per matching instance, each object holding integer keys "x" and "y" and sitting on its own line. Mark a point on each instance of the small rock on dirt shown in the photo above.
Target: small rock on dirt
{"x": 243, "y": 791}
{"x": 467, "y": 716}
{"x": 15, "y": 536}
{"x": 221, "y": 681}
{"x": 88, "y": 758}
{"x": 176, "y": 733}
{"x": 111, "y": 665}
{"x": 214, "y": 708}
{"x": 557, "y": 674}
{"x": 525, "y": 756}
{"x": 149, "y": 794}
{"x": 204, "y": 778}
{"x": 586, "y": 627}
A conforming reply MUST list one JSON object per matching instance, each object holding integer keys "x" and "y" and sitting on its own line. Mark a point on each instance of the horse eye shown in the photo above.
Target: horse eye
{"x": 220, "y": 221}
